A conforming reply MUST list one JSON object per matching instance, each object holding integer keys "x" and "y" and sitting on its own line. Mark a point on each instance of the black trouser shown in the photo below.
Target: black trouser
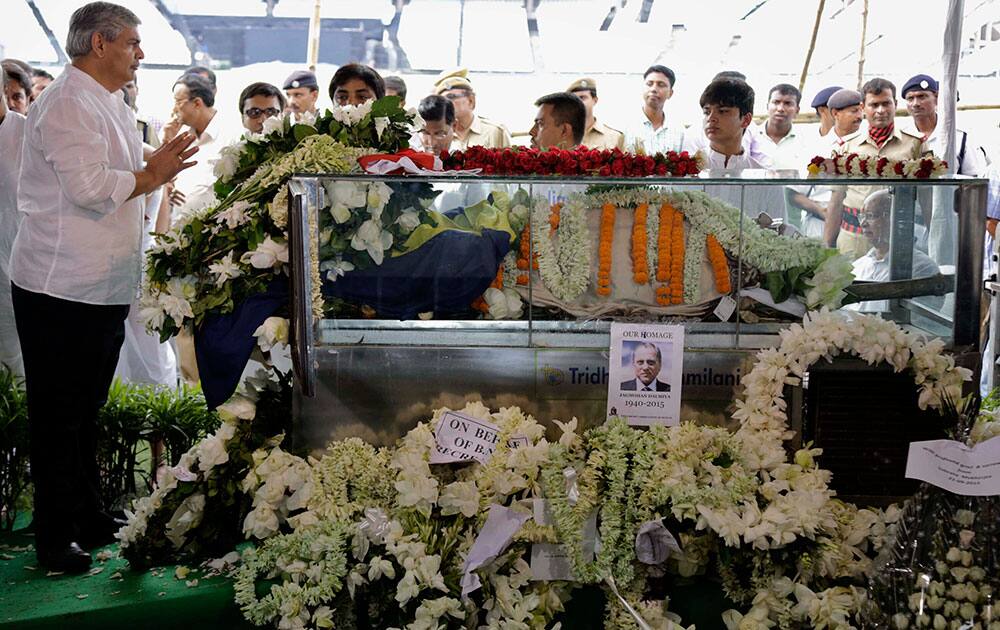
{"x": 70, "y": 351}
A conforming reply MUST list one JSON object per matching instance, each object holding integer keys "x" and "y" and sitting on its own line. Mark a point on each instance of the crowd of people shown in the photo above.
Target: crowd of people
{"x": 81, "y": 192}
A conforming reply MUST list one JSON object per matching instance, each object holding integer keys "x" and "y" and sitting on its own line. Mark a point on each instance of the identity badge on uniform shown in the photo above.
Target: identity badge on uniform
{"x": 646, "y": 367}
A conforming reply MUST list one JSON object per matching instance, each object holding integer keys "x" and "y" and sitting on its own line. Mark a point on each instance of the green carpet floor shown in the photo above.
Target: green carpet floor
{"x": 112, "y": 596}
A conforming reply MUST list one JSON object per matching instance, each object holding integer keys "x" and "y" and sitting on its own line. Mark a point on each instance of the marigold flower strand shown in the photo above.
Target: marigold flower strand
{"x": 664, "y": 241}
{"x": 640, "y": 265}
{"x": 677, "y": 260}
{"x": 605, "y": 240}
{"x": 720, "y": 267}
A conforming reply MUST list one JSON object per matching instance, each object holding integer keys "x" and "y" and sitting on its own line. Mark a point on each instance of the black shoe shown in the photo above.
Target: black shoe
{"x": 68, "y": 558}
{"x": 99, "y": 531}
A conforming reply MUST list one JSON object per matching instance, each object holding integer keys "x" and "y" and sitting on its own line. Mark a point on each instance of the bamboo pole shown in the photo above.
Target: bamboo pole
{"x": 812, "y": 45}
{"x": 312, "y": 50}
{"x": 861, "y": 53}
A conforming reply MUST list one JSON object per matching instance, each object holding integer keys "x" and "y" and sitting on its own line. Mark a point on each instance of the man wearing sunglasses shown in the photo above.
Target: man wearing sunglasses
{"x": 258, "y": 102}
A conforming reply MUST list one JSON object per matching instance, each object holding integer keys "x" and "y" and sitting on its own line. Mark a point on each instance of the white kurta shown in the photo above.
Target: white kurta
{"x": 11, "y": 132}
{"x": 80, "y": 236}
{"x": 873, "y": 268}
{"x": 143, "y": 359}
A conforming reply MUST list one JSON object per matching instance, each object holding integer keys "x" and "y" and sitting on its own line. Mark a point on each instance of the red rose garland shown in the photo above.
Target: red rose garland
{"x": 579, "y": 161}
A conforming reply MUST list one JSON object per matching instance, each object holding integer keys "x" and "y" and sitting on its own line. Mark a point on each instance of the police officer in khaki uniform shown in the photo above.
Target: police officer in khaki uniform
{"x": 598, "y": 135}
{"x": 882, "y": 138}
{"x": 470, "y": 129}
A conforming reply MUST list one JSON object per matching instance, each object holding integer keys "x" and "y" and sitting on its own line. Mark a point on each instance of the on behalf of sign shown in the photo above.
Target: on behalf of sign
{"x": 460, "y": 438}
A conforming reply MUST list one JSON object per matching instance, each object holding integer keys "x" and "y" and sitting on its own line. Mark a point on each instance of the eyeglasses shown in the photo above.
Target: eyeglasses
{"x": 873, "y": 215}
{"x": 256, "y": 112}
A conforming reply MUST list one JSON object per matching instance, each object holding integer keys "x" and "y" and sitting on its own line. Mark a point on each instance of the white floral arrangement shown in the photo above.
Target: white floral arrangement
{"x": 181, "y": 516}
{"x": 217, "y": 256}
{"x": 389, "y": 524}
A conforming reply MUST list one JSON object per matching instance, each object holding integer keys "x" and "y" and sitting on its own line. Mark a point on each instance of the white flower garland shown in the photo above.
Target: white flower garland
{"x": 565, "y": 273}
{"x": 694, "y": 254}
{"x": 825, "y": 334}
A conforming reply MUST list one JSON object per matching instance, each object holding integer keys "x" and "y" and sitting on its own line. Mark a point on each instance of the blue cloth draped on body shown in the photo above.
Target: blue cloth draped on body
{"x": 444, "y": 276}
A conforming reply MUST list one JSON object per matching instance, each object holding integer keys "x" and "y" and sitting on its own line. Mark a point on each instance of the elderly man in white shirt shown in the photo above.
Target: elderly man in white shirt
{"x": 11, "y": 132}
{"x": 874, "y": 265}
{"x": 75, "y": 268}
{"x": 194, "y": 106}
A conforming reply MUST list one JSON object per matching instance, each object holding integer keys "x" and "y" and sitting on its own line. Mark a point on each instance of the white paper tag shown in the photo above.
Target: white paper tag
{"x": 551, "y": 561}
{"x": 500, "y": 526}
{"x": 725, "y": 308}
{"x": 955, "y": 467}
{"x": 460, "y": 438}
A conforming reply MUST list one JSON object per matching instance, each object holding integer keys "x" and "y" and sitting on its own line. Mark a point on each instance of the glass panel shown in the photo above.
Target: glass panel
{"x": 430, "y": 261}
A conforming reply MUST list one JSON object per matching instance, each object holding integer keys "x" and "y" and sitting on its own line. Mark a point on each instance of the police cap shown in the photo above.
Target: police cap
{"x": 301, "y": 79}
{"x": 920, "y": 82}
{"x": 821, "y": 98}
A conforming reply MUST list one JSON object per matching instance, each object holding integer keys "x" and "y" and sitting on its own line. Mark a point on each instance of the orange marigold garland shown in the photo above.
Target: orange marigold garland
{"x": 720, "y": 267}
{"x": 605, "y": 240}
{"x": 640, "y": 264}
{"x": 677, "y": 260}
{"x": 664, "y": 242}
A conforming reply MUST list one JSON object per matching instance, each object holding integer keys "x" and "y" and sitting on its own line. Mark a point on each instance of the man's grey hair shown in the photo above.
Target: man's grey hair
{"x": 97, "y": 17}
{"x": 648, "y": 346}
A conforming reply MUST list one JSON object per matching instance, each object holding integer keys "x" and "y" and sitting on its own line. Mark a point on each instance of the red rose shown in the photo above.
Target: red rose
{"x": 897, "y": 168}
{"x": 604, "y": 171}
{"x": 661, "y": 169}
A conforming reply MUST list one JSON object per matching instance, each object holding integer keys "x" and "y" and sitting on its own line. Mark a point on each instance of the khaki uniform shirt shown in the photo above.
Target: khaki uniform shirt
{"x": 902, "y": 145}
{"x": 482, "y": 133}
{"x": 600, "y": 136}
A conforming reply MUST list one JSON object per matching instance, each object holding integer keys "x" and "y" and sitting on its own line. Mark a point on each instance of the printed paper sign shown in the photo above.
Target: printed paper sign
{"x": 955, "y": 467}
{"x": 460, "y": 438}
{"x": 647, "y": 362}
{"x": 551, "y": 561}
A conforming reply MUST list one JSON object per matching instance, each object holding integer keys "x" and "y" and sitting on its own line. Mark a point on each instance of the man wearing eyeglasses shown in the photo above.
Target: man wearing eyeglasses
{"x": 194, "y": 106}
{"x": 874, "y": 265}
{"x": 470, "y": 128}
{"x": 258, "y": 102}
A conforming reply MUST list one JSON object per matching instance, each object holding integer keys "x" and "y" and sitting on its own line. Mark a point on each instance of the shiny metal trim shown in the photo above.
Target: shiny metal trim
{"x": 970, "y": 203}
{"x": 302, "y": 203}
